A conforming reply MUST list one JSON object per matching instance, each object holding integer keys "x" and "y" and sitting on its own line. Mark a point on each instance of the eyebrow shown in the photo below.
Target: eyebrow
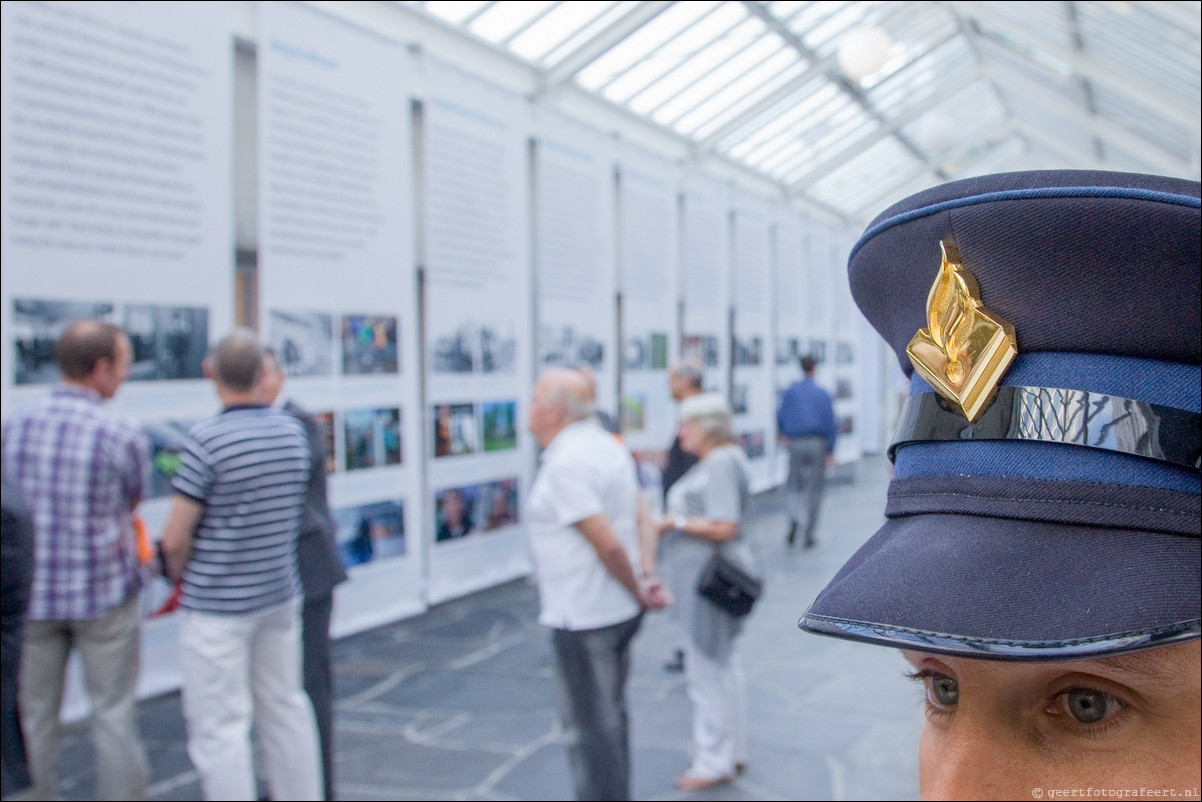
{"x": 1143, "y": 664}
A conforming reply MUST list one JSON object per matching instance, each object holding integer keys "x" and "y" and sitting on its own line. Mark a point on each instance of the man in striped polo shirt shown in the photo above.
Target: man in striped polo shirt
{"x": 231, "y": 539}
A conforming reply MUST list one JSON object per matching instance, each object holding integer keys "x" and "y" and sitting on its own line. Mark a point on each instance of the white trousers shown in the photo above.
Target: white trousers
{"x": 243, "y": 668}
{"x": 718, "y": 691}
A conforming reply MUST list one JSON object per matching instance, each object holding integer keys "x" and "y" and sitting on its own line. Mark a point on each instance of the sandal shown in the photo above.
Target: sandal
{"x": 693, "y": 782}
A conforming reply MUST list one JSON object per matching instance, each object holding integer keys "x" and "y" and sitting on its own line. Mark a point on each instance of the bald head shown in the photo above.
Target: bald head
{"x": 237, "y": 361}
{"x": 83, "y": 345}
{"x": 94, "y": 354}
{"x": 561, "y": 397}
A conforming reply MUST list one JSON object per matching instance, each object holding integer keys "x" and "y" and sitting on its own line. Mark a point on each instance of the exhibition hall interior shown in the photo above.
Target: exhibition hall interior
{"x": 422, "y": 206}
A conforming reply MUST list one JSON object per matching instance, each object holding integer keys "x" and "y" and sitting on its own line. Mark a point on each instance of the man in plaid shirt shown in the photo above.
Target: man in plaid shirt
{"x": 82, "y": 471}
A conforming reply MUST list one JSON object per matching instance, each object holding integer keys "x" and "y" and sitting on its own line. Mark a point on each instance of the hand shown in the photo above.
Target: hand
{"x": 830, "y": 460}
{"x": 663, "y": 525}
{"x": 653, "y": 594}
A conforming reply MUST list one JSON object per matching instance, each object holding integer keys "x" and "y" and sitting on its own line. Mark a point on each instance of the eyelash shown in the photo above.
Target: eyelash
{"x": 932, "y": 710}
{"x": 1054, "y": 708}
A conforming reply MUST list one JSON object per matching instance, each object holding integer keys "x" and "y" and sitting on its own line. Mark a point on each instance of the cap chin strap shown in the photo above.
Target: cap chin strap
{"x": 1053, "y": 415}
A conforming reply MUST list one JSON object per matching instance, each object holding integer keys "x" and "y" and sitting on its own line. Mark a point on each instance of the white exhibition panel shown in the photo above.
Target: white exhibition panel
{"x": 337, "y": 287}
{"x": 752, "y": 393}
{"x": 647, "y": 245}
{"x": 820, "y": 303}
{"x": 705, "y": 277}
{"x": 574, "y": 255}
{"x": 847, "y": 390}
{"x": 789, "y": 314}
{"x": 115, "y": 196}
{"x": 477, "y": 330}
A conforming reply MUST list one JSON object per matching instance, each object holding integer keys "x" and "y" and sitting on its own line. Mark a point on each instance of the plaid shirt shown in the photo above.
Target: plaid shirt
{"x": 82, "y": 471}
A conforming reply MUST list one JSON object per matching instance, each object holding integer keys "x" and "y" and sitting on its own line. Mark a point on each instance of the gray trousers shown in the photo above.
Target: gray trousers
{"x": 591, "y": 667}
{"x": 807, "y": 478}
{"x": 109, "y": 648}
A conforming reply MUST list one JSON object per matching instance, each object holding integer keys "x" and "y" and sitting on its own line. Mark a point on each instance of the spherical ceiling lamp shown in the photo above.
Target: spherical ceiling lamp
{"x": 863, "y": 51}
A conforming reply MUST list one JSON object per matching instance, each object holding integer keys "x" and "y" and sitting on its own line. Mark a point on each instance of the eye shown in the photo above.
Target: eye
{"x": 943, "y": 690}
{"x": 1089, "y": 705}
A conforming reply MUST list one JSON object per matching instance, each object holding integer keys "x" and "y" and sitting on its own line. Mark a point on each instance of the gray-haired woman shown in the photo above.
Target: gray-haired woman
{"x": 705, "y": 510}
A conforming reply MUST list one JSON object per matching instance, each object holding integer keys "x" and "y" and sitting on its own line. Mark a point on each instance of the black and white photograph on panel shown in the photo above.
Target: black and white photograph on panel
{"x": 565, "y": 347}
{"x": 169, "y": 342}
{"x": 455, "y": 350}
{"x": 455, "y": 430}
{"x": 788, "y": 350}
{"x": 373, "y": 438}
{"x": 303, "y": 342}
{"x": 498, "y": 348}
{"x": 748, "y": 351}
{"x": 369, "y": 345}
{"x": 36, "y": 326}
{"x": 370, "y": 532}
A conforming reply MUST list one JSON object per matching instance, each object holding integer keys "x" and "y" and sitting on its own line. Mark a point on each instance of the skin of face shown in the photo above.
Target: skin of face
{"x": 692, "y": 439}
{"x": 272, "y": 380}
{"x": 110, "y": 374}
{"x": 1002, "y": 730}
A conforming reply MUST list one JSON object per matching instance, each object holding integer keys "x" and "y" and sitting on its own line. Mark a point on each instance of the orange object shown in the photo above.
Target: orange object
{"x": 145, "y": 549}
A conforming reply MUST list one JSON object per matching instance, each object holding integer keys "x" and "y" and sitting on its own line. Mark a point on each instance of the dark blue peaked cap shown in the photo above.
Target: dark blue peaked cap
{"x": 1063, "y": 521}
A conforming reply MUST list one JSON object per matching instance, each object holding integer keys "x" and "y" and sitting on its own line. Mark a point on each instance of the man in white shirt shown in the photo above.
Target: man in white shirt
{"x": 583, "y": 535}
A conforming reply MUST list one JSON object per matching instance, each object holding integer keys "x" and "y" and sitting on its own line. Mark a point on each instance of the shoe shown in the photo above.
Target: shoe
{"x": 740, "y": 767}
{"x": 792, "y": 534}
{"x": 676, "y": 664}
{"x": 692, "y": 782}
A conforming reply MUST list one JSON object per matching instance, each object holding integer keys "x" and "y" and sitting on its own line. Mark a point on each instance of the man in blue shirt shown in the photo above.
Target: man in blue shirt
{"x": 806, "y": 424}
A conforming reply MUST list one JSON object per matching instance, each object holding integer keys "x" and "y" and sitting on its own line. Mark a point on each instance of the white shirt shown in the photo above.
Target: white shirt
{"x": 585, "y": 471}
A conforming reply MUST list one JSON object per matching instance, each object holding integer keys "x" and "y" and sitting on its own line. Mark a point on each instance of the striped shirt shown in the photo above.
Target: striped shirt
{"x": 81, "y": 470}
{"x": 249, "y": 467}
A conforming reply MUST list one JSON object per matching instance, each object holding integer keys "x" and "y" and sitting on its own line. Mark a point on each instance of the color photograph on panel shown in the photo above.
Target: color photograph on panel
{"x": 370, "y": 532}
{"x": 369, "y": 344}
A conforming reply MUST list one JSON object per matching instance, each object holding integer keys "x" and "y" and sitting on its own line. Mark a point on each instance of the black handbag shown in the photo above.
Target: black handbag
{"x": 729, "y": 586}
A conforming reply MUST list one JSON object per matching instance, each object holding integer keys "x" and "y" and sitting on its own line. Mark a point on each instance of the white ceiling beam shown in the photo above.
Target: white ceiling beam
{"x": 834, "y": 162}
{"x": 594, "y": 48}
{"x": 1053, "y": 105}
{"x": 1140, "y": 92}
{"x": 1073, "y": 158}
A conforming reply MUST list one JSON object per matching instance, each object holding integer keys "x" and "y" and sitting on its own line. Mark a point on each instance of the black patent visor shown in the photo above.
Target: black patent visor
{"x": 1053, "y": 415}
{"x": 1010, "y": 650}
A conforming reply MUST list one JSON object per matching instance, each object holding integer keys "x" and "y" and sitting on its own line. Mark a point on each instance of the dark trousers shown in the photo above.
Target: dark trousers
{"x": 591, "y": 667}
{"x": 319, "y": 682}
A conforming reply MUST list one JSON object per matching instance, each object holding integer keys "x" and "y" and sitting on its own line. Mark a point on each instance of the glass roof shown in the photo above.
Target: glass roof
{"x": 964, "y": 88}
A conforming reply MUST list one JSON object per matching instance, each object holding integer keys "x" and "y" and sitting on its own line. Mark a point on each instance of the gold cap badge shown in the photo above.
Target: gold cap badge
{"x": 965, "y": 349}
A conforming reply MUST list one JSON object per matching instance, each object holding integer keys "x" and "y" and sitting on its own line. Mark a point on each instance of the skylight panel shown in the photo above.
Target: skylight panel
{"x": 564, "y": 28}
{"x": 642, "y": 43}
